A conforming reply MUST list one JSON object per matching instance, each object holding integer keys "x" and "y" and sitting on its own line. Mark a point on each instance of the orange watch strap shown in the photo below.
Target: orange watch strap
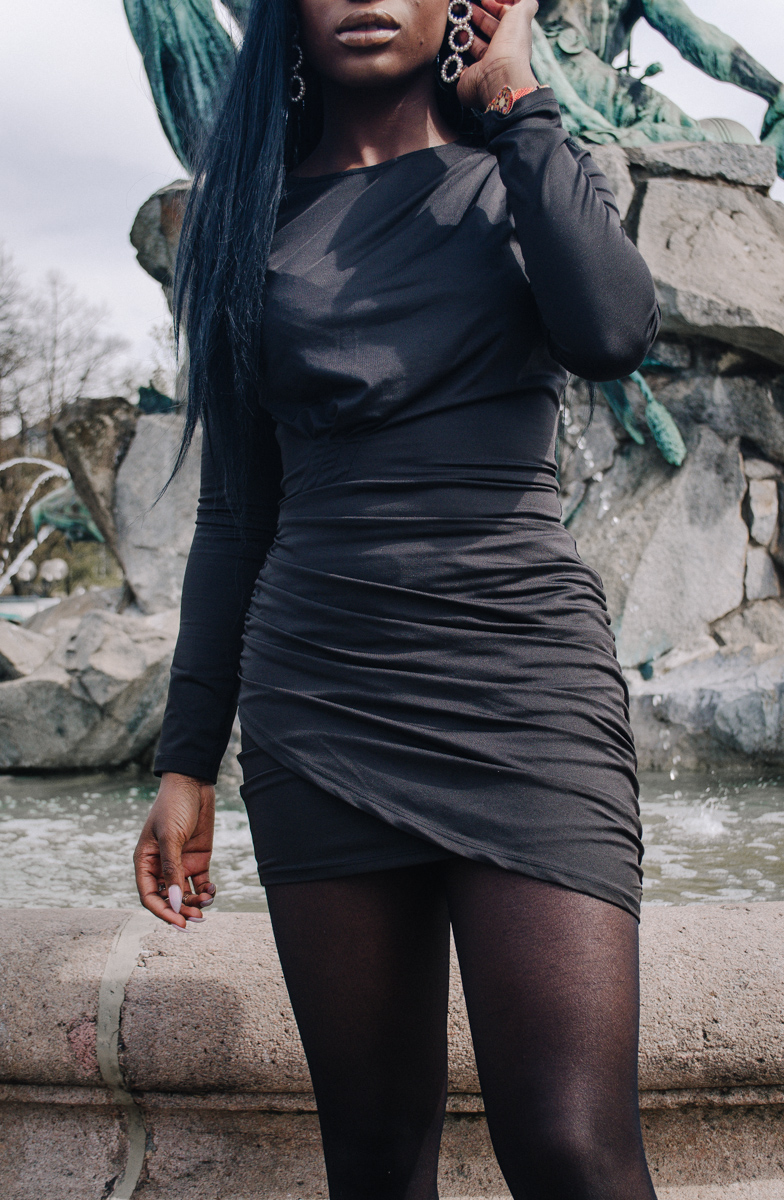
{"x": 506, "y": 98}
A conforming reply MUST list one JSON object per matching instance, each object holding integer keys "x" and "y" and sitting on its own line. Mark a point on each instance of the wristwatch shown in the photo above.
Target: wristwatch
{"x": 502, "y": 103}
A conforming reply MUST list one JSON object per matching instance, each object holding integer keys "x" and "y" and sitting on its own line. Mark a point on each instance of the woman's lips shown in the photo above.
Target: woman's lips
{"x": 371, "y": 28}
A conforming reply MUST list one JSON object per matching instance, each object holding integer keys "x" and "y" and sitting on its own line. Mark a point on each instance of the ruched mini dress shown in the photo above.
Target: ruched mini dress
{"x": 424, "y": 664}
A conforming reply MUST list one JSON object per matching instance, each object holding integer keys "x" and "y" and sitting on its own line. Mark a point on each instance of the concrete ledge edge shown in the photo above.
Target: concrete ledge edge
{"x": 301, "y": 1102}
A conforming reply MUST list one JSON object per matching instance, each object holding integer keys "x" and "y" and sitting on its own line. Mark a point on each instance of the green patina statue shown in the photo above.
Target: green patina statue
{"x": 187, "y": 53}
{"x": 579, "y": 40}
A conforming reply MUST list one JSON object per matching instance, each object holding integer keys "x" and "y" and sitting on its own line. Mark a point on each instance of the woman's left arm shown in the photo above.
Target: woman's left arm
{"x": 592, "y": 287}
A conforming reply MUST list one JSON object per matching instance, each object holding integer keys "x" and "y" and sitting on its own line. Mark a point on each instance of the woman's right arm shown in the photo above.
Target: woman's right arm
{"x": 227, "y": 553}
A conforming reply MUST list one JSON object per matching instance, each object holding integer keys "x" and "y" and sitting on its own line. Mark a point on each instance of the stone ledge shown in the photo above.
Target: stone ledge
{"x": 301, "y": 1102}
{"x": 752, "y": 166}
{"x": 209, "y": 1012}
{"x": 214, "y": 1062}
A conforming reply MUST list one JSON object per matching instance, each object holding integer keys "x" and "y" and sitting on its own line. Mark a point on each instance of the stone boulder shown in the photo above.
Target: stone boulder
{"x": 155, "y": 232}
{"x": 761, "y": 581}
{"x": 613, "y": 161}
{"x": 670, "y": 544}
{"x": 95, "y": 700}
{"x": 76, "y": 606}
{"x": 705, "y": 707}
{"x": 749, "y": 405}
{"x": 154, "y": 535}
{"x": 717, "y": 257}
{"x": 751, "y": 166}
{"x": 760, "y": 624}
{"x": 93, "y": 437}
{"x": 717, "y": 710}
{"x": 21, "y": 651}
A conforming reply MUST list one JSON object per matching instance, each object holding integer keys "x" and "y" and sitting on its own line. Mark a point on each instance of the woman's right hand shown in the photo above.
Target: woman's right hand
{"x": 175, "y": 846}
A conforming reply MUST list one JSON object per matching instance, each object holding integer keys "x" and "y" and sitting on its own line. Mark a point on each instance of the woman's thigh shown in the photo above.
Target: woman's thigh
{"x": 551, "y": 983}
{"x": 366, "y": 962}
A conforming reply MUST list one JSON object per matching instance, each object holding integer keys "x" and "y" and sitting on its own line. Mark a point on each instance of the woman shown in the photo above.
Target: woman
{"x": 435, "y": 727}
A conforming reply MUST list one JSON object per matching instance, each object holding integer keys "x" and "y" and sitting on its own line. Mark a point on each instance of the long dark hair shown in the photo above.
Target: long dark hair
{"x": 259, "y": 134}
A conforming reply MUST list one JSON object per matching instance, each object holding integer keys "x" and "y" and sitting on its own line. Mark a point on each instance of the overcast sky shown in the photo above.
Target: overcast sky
{"x": 81, "y": 148}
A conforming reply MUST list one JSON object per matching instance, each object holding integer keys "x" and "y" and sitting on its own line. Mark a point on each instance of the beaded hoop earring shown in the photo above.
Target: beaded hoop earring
{"x": 460, "y": 15}
{"x": 296, "y": 82}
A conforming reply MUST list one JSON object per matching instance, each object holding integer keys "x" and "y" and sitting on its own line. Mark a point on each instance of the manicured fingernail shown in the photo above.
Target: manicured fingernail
{"x": 206, "y": 903}
{"x": 179, "y": 928}
{"x": 175, "y": 897}
{"x": 196, "y": 919}
{"x": 210, "y": 888}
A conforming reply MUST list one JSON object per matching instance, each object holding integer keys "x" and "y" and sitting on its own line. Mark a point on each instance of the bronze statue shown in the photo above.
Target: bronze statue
{"x": 581, "y": 39}
{"x": 187, "y": 53}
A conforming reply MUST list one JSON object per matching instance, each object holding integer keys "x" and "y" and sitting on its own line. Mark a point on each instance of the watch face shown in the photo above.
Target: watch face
{"x": 503, "y": 102}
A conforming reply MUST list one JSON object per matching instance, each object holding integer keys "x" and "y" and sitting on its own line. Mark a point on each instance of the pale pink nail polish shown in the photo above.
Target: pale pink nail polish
{"x": 178, "y": 928}
{"x": 175, "y": 897}
{"x": 196, "y": 919}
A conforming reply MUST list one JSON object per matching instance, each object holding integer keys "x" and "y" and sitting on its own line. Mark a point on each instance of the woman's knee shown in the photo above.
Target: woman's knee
{"x": 574, "y": 1157}
{"x": 398, "y": 1161}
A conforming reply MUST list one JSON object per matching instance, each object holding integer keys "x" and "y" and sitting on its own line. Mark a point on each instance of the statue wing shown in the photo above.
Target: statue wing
{"x": 187, "y": 55}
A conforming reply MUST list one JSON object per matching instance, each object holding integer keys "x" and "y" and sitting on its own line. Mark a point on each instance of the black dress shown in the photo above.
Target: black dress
{"x": 422, "y": 648}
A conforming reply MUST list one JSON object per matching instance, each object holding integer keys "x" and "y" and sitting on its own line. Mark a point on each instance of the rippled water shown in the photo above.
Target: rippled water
{"x": 68, "y": 841}
{"x": 712, "y": 837}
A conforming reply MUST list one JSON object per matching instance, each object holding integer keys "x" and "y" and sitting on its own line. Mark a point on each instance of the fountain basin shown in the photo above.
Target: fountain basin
{"x": 708, "y": 838}
{"x": 214, "y": 1091}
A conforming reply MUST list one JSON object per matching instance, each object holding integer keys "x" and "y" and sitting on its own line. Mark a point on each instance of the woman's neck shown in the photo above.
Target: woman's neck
{"x": 365, "y": 127}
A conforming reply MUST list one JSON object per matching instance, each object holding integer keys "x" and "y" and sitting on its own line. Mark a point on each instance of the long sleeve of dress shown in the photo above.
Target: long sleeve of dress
{"x": 592, "y": 287}
{"x": 226, "y": 556}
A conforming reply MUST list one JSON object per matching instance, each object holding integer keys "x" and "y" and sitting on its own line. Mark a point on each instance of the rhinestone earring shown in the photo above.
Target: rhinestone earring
{"x": 296, "y": 82}
{"x": 460, "y": 15}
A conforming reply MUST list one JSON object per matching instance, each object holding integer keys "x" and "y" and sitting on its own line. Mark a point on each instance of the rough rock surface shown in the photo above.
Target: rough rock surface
{"x": 76, "y": 606}
{"x": 717, "y": 257}
{"x": 704, "y": 707}
{"x": 762, "y": 622}
{"x": 21, "y": 651}
{"x": 723, "y": 709}
{"x": 764, "y": 509}
{"x": 93, "y": 437}
{"x": 156, "y": 232}
{"x": 753, "y": 166}
{"x": 748, "y": 405}
{"x": 96, "y": 700}
{"x": 760, "y": 468}
{"x": 210, "y": 1045}
{"x": 612, "y": 160}
{"x": 669, "y": 544}
{"x": 154, "y": 538}
{"x": 762, "y": 581}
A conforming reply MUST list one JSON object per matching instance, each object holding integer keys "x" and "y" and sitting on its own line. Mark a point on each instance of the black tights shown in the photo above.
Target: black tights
{"x": 550, "y": 979}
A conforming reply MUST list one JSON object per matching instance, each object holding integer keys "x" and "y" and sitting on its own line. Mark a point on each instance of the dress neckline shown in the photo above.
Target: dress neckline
{"x": 447, "y": 147}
